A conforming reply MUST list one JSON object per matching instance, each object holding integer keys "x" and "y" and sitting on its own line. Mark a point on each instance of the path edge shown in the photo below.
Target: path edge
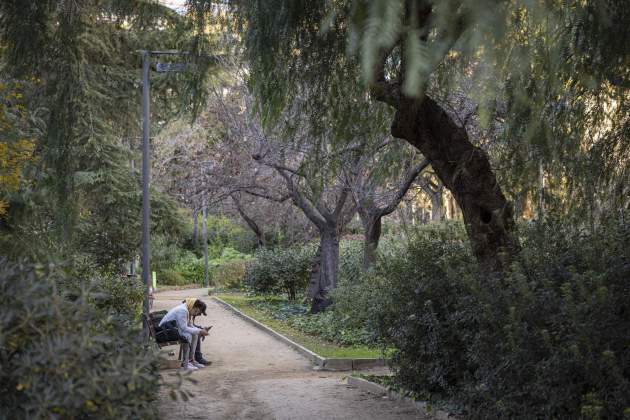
{"x": 322, "y": 363}
{"x": 421, "y": 406}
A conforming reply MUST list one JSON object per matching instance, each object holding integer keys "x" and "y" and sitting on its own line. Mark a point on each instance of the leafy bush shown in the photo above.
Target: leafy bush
{"x": 171, "y": 278}
{"x": 549, "y": 339}
{"x": 350, "y": 260}
{"x": 224, "y": 233}
{"x": 325, "y": 325}
{"x": 190, "y": 267}
{"x": 71, "y": 355}
{"x": 280, "y": 270}
{"x": 230, "y": 275}
{"x": 329, "y": 326}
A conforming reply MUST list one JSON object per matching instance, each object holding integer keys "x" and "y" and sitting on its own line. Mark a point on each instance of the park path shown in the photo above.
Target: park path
{"x": 254, "y": 376}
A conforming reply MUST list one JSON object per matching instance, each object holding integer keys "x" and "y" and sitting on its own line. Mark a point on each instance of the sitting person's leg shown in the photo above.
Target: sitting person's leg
{"x": 188, "y": 353}
{"x": 193, "y": 346}
{"x": 198, "y": 355}
{"x": 185, "y": 354}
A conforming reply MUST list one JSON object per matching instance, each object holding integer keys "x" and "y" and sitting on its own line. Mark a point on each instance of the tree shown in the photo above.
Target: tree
{"x": 408, "y": 47}
{"x": 380, "y": 185}
{"x": 83, "y": 198}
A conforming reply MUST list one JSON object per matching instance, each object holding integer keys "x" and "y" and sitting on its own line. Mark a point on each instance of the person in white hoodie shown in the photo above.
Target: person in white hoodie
{"x": 182, "y": 315}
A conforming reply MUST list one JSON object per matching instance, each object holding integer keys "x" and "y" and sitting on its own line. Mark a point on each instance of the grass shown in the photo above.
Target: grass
{"x": 167, "y": 287}
{"x": 313, "y": 343}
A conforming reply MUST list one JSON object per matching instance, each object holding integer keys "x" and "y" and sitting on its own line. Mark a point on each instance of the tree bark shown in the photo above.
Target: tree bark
{"x": 436, "y": 206}
{"x": 465, "y": 170}
{"x": 371, "y": 214}
{"x": 260, "y": 236}
{"x": 195, "y": 227}
{"x": 372, "y": 232}
{"x": 324, "y": 274}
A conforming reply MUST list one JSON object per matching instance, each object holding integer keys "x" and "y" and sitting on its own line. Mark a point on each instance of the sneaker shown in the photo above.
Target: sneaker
{"x": 189, "y": 367}
{"x": 197, "y": 365}
{"x": 203, "y": 361}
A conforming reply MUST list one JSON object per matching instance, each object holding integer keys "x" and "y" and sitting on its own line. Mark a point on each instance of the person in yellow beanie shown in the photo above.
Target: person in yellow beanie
{"x": 182, "y": 315}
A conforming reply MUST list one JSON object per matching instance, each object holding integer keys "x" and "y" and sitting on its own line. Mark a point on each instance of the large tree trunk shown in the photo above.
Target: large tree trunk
{"x": 466, "y": 172}
{"x": 372, "y": 233}
{"x": 436, "y": 206}
{"x": 324, "y": 274}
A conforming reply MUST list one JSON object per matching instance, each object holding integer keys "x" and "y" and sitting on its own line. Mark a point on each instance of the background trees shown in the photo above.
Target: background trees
{"x": 408, "y": 49}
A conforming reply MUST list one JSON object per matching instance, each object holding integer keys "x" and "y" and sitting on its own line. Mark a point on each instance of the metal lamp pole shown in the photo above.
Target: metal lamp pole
{"x": 146, "y": 161}
{"x": 146, "y": 166}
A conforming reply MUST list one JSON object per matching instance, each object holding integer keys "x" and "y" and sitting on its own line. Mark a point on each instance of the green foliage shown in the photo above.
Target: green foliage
{"x": 190, "y": 267}
{"x": 230, "y": 274}
{"x": 329, "y": 326}
{"x": 82, "y": 71}
{"x": 224, "y": 233}
{"x": 547, "y": 340}
{"x": 325, "y": 325}
{"x": 171, "y": 277}
{"x": 76, "y": 354}
{"x": 280, "y": 270}
{"x": 276, "y": 312}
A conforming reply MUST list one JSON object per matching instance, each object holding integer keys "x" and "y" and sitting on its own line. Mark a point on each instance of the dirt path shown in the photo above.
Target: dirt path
{"x": 254, "y": 376}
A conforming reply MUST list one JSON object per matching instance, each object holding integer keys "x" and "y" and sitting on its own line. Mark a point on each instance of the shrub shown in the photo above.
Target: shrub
{"x": 329, "y": 326}
{"x": 223, "y": 232}
{"x": 230, "y": 275}
{"x": 63, "y": 356}
{"x": 549, "y": 339}
{"x": 190, "y": 267}
{"x": 280, "y": 270}
{"x": 171, "y": 278}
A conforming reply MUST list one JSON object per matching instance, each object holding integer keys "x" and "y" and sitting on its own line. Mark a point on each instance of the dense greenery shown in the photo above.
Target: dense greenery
{"x": 280, "y": 270}
{"x": 548, "y": 339}
{"x": 71, "y": 347}
{"x": 520, "y": 109}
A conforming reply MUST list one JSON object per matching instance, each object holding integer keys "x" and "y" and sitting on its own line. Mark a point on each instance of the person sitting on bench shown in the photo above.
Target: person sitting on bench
{"x": 182, "y": 315}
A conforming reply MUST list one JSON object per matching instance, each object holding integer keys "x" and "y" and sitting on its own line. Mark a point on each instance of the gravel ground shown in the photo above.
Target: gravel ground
{"x": 254, "y": 376}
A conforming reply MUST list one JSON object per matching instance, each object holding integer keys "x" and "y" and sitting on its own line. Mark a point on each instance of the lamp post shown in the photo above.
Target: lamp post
{"x": 146, "y": 161}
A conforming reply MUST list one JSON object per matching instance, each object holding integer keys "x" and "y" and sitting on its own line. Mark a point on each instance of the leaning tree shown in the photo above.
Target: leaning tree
{"x": 561, "y": 69}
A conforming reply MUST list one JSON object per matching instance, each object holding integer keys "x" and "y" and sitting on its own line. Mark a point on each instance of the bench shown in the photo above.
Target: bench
{"x": 152, "y": 324}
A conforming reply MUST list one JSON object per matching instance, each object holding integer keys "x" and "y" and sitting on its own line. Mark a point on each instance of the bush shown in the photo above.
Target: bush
{"x": 550, "y": 339}
{"x": 74, "y": 355}
{"x": 223, "y": 232}
{"x": 280, "y": 270}
{"x": 230, "y": 275}
{"x": 324, "y": 324}
{"x": 170, "y": 277}
{"x": 329, "y": 326}
{"x": 190, "y": 267}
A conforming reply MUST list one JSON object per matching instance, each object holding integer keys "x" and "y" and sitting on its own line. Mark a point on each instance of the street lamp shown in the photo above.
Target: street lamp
{"x": 146, "y": 163}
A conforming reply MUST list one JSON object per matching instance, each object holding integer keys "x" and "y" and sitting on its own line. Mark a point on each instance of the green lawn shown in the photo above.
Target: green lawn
{"x": 313, "y": 343}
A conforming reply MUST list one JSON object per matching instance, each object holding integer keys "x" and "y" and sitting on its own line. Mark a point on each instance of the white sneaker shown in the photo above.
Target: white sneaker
{"x": 197, "y": 365}
{"x": 189, "y": 367}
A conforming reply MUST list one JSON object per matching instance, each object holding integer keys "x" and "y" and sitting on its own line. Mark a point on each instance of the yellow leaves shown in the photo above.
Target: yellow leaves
{"x": 90, "y": 406}
{"x": 13, "y": 158}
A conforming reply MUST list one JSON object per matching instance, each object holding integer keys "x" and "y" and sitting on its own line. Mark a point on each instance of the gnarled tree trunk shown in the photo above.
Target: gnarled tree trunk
{"x": 372, "y": 232}
{"x": 324, "y": 274}
{"x": 465, "y": 170}
{"x": 260, "y": 236}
